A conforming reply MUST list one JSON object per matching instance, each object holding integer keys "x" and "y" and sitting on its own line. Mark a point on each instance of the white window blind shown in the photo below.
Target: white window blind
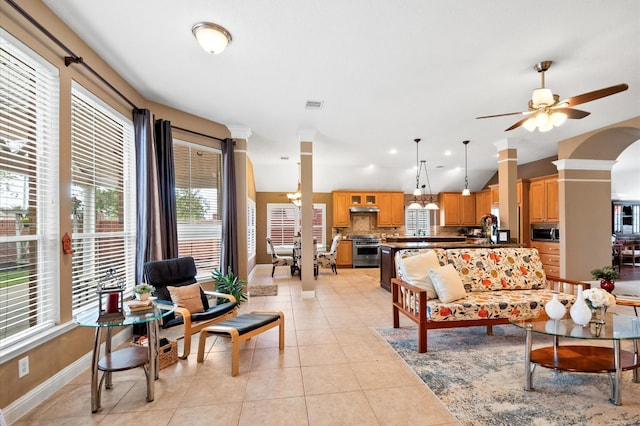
{"x": 417, "y": 221}
{"x": 251, "y": 228}
{"x": 29, "y": 235}
{"x": 199, "y": 204}
{"x": 103, "y": 196}
{"x": 284, "y": 222}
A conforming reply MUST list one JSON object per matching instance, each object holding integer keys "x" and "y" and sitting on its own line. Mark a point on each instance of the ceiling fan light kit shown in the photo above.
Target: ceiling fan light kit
{"x": 546, "y": 111}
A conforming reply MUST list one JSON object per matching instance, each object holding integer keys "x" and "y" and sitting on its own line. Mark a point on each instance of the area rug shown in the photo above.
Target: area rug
{"x": 480, "y": 379}
{"x": 263, "y": 290}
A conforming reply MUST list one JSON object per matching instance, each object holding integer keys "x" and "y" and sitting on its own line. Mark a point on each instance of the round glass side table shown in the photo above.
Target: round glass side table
{"x": 126, "y": 358}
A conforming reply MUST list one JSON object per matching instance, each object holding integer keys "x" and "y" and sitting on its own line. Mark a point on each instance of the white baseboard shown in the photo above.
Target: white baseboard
{"x": 27, "y": 402}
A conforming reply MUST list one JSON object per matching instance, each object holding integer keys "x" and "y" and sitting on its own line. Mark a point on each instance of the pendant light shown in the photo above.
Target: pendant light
{"x": 296, "y": 197}
{"x": 465, "y": 191}
{"x": 416, "y": 203}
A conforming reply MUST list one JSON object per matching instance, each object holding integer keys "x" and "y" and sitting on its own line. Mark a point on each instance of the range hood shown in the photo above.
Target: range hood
{"x": 363, "y": 209}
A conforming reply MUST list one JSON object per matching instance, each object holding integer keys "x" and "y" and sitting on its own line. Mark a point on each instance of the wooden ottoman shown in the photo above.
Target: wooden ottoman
{"x": 241, "y": 328}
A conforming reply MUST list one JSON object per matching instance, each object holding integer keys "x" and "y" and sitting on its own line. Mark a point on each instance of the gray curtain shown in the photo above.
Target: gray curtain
{"x": 166, "y": 190}
{"x": 229, "y": 255}
{"x": 146, "y": 188}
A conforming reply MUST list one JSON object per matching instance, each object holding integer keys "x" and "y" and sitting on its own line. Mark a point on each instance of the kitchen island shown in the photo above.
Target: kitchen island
{"x": 389, "y": 249}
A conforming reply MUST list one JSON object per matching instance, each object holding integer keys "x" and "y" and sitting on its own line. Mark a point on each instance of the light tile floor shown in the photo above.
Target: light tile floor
{"x": 334, "y": 370}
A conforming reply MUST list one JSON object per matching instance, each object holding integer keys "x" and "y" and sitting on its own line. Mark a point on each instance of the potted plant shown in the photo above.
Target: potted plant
{"x": 607, "y": 276}
{"x": 143, "y": 291}
{"x": 229, "y": 284}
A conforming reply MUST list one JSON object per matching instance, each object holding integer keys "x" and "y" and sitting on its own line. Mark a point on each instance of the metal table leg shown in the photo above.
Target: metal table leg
{"x": 615, "y": 391}
{"x": 528, "y": 366}
{"x": 96, "y": 385}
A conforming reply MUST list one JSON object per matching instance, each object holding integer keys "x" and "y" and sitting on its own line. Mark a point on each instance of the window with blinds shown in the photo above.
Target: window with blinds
{"x": 417, "y": 221}
{"x": 103, "y": 196}
{"x": 284, "y": 222}
{"x": 199, "y": 204}
{"x": 29, "y": 235}
{"x": 251, "y": 228}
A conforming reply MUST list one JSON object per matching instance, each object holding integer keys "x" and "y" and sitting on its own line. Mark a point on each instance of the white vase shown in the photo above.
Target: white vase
{"x": 555, "y": 309}
{"x": 143, "y": 296}
{"x": 580, "y": 312}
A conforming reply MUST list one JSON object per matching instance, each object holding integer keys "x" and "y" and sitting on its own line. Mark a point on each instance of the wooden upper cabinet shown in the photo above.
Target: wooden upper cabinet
{"x": 457, "y": 210}
{"x": 553, "y": 203}
{"x": 341, "y": 217}
{"x": 543, "y": 200}
{"x": 391, "y": 205}
{"x": 495, "y": 194}
{"x": 483, "y": 204}
{"x": 397, "y": 209}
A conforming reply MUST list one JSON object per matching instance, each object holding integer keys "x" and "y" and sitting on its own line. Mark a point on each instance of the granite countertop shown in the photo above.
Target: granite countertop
{"x": 425, "y": 239}
{"x": 444, "y": 245}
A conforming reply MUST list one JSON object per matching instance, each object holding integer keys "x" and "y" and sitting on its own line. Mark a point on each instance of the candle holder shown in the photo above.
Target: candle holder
{"x": 111, "y": 288}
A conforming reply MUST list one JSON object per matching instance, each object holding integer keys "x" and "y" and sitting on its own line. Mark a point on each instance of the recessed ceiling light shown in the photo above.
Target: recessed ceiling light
{"x": 393, "y": 151}
{"x": 447, "y": 152}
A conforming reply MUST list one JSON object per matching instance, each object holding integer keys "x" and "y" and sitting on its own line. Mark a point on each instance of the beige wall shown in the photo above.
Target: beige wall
{"x": 50, "y": 357}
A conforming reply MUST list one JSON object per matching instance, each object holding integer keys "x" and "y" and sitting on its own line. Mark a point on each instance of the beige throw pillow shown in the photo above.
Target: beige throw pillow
{"x": 447, "y": 283}
{"x": 415, "y": 271}
{"x": 187, "y": 297}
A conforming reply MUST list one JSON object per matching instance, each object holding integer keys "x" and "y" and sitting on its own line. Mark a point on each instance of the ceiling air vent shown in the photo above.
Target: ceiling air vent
{"x": 314, "y": 105}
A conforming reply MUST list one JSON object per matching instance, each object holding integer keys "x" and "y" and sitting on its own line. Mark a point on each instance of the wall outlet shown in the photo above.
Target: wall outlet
{"x": 23, "y": 367}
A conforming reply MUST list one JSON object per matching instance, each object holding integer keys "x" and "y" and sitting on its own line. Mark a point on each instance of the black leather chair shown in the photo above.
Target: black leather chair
{"x": 182, "y": 272}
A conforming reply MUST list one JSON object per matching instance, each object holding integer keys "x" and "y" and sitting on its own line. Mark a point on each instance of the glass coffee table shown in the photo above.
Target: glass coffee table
{"x": 583, "y": 357}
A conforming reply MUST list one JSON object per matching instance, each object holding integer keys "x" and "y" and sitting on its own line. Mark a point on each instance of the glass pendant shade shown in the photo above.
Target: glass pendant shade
{"x": 557, "y": 118}
{"x": 530, "y": 124}
{"x": 466, "y": 192}
{"x": 415, "y": 205}
{"x": 542, "y": 97}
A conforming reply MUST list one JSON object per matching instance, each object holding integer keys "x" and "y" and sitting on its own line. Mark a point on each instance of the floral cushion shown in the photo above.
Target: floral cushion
{"x": 522, "y": 304}
{"x": 498, "y": 269}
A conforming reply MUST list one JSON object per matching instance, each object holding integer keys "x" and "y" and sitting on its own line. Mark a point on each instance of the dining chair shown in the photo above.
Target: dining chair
{"x": 328, "y": 259}
{"x": 277, "y": 260}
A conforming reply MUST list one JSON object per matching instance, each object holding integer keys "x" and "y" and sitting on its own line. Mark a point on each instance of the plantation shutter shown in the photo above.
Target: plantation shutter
{"x": 29, "y": 235}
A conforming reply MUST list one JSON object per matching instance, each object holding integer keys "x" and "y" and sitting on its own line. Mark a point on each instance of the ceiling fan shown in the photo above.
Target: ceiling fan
{"x": 546, "y": 111}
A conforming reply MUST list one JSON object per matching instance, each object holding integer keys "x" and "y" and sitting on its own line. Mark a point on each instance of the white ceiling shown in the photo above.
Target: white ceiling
{"x": 388, "y": 71}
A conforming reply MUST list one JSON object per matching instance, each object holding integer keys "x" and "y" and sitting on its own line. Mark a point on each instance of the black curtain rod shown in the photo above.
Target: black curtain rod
{"x": 198, "y": 133}
{"x": 72, "y": 58}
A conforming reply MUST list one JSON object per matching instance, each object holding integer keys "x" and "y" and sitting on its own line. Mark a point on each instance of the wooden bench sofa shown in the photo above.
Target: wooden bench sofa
{"x": 498, "y": 284}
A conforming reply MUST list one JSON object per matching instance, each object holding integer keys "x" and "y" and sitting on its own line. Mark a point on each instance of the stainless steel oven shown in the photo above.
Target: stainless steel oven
{"x": 366, "y": 251}
{"x": 545, "y": 232}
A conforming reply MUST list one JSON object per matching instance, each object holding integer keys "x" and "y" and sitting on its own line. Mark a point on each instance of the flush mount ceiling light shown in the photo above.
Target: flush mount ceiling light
{"x": 212, "y": 37}
{"x": 465, "y": 191}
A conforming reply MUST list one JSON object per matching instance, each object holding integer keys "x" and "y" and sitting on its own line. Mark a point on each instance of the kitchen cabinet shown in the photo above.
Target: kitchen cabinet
{"x": 543, "y": 200}
{"x": 549, "y": 255}
{"x": 344, "y": 256}
{"x": 391, "y": 205}
{"x": 363, "y": 199}
{"x": 457, "y": 210}
{"x": 483, "y": 204}
{"x": 341, "y": 217}
{"x": 495, "y": 194}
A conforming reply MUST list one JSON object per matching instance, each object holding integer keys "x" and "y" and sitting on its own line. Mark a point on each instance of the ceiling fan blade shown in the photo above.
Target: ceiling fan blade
{"x": 503, "y": 115}
{"x": 596, "y": 94}
{"x": 573, "y": 113}
{"x": 518, "y": 124}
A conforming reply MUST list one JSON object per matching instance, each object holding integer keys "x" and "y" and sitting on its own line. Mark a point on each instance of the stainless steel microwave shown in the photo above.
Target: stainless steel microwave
{"x": 545, "y": 232}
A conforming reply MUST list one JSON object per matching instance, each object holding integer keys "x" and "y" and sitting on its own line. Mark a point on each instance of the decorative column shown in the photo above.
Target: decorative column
{"x": 241, "y": 137}
{"x": 585, "y": 216}
{"x": 508, "y": 182}
{"x": 306, "y": 181}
